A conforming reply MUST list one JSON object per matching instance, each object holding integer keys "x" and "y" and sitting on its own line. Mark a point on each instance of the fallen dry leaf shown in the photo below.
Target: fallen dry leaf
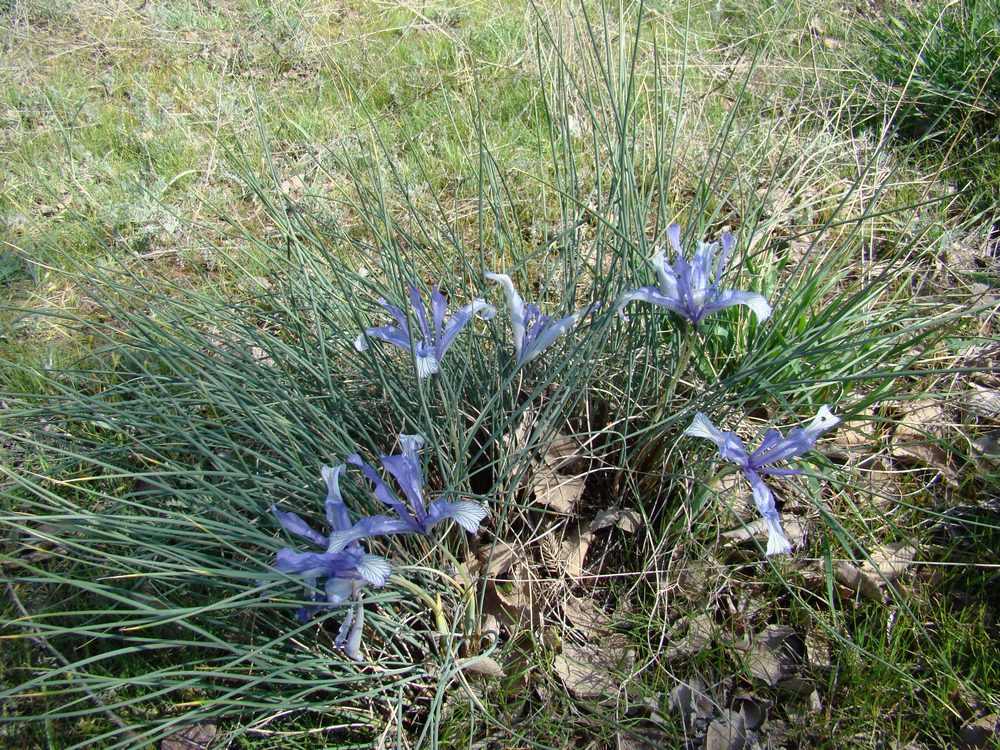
{"x": 889, "y": 562}
{"x": 294, "y": 186}
{"x": 986, "y": 450}
{"x": 980, "y": 401}
{"x": 648, "y": 739}
{"x": 727, "y": 732}
{"x": 586, "y": 616}
{"x": 818, "y": 652}
{"x": 852, "y": 577}
{"x": 195, "y": 737}
{"x": 593, "y": 670}
{"x": 776, "y": 654}
{"x": 511, "y": 601}
{"x": 693, "y": 702}
{"x": 485, "y": 666}
{"x": 557, "y": 491}
{"x": 495, "y": 559}
{"x": 698, "y": 635}
{"x": 795, "y": 529}
{"x": 984, "y": 732}
{"x": 563, "y": 454}
{"x": 626, "y": 520}
{"x": 917, "y": 434}
{"x": 573, "y": 550}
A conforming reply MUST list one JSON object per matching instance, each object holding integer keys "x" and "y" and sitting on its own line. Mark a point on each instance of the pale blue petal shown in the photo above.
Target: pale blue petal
{"x": 411, "y": 445}
{"x": 459, "y": 320}
{"x": 367, "y": 527}
{"x": 336, "y": 510}
{"x": 398, "y": 315}
{"x": 417, "y": 303}
{"x": 731, "y": 448}
{"x": 674, "y": 235}
{"x": 426, "y": 365}
{"x": 406, "y": 469}
{"x": 380, "y": 490}
{"x": 339, "y": 590}
{"x": 374, "y": 569}
{"x": 650, "y": 294}
{"x": 388, "y": 334}
{"x": 699, "y": 274}
{"x": 823, "y": 421}
{"x": 777, "y": 541}
{"x": 345, "y": 627}
{"x": 516, "y": 305}
{"x": 665, "y": 275}
{"x": 352, "y": 648}
{"x": 466, "y": 514}
{"x": 799, "y": 441}
{"x": 439, "y": 308}
{"x": 727, "y": 244}
{"x": 756, "y": 302}
{"x": 311, "y": 564}
{"x": 554, "y": 330}
{"x": 292, "y": 523}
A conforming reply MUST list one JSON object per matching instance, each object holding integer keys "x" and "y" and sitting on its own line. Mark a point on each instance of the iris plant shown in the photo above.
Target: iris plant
{"x": 533, "y": 332}
{"x": 428, "y": 344}
{"x": 344, "y": 571}
{"x": 419, "y": 517}
{"x": 691, "y": 287}
{"x": 773, "y": 449}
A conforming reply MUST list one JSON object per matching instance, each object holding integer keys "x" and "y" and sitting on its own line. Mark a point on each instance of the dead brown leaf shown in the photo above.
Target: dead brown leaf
{"x": 984, "y": 732}
{"x": 594, "y": 670}
{"x": 727, "y": 732}
{"x": 586, "y": 616}
{"x": 557, "y": 491}
{"x": 495, "y": 559}
{"x": 917, "y": 435}
{"x": 851, "y": 576}
{"x": 511, "y": 602}
{"x": 693, "y": 702}
{"x": 294, "y": 186}
{"x": 889, "y": 562}
{"x": 573, "y": 550}
{"x": 484, "y": 666}
{"x": 195, "y": 737}
{"x": 776, "y": 653}
{"x": 698, "y": 628}
{"x": 650, "y": 739}
{"x": 795, "y": 529}
{"x": 558, "y": 477}
{"x": 626, "y": 520}
{"x": 980, "y": 401}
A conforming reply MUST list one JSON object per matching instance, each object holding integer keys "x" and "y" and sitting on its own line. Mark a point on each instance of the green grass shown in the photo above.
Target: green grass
{"x": 205, "y": 203}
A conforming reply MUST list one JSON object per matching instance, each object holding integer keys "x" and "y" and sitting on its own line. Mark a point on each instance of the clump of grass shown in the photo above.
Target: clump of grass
{"x": 942, "y": 57}
{"x": 136, "y": 499}
{"x": 940, "y": 61}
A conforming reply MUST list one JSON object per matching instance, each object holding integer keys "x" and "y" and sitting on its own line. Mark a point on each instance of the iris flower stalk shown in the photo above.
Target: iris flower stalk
{"x": 429, "y": 342}
{"x": 691, "y": 288}
{"x": 773, "y": 449}
{"x": 533, "y": 332}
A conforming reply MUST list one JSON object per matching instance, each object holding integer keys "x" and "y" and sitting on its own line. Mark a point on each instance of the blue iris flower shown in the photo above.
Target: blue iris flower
{"x": 428, "y": 344}
{"x": 343, "y": 573}
{"x": 533, "y": 332}
{"x": 773, "y": 449}
{"x": 691, "y": 287}
{"x": 417, "y": 517}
